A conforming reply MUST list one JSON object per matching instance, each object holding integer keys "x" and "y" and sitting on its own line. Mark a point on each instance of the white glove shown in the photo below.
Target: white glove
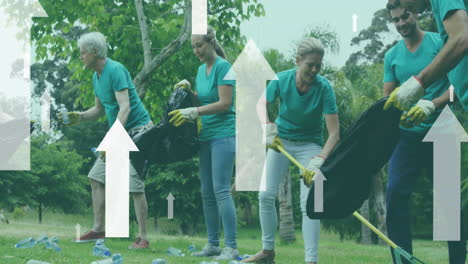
{"x": 406, "y": 95}
{"x": 314, "y": 164}
{"x": 183, "y": 84}
{"x": 181, "y": 116}
{"x": 271, "y": 132}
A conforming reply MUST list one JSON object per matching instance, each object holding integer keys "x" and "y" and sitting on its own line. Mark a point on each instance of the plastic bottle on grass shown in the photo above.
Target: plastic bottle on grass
{"x": 171, "y": 251}
{"x": 26, "y": 243}
{"x": 159, "y": 261}
{"x": 100, "y": 250}
{"x": 42, "y": 239}
{"x": 103, "y": 261}
{"x": 192, "y": 248}
{"x": 33, "y": 261}
{"x": 117, "y": 259}
{"x": 50, "y": 244}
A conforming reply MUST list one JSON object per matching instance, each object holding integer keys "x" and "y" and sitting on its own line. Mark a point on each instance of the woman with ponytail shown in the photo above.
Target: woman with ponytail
{"x": 217, "y": 143}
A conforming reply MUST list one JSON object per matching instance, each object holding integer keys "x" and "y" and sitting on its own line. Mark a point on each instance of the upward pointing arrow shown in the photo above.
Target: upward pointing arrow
{"x": 318, "y": 191}
{"x": 251, "y": 71}
{"x": 16, "y": 46}
{"x": 170, "y": 206}
{"x": 77, "y": 232}
{"x": 45, "y": 114}
{"x": 355, "y": 18}
{"x": 117, "y": 144}
{"x": 447, "y": 134}
{"x": 199, "y": 17}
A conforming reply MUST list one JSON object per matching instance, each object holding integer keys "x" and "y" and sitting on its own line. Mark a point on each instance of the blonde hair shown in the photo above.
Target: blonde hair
{"x": 211, "y": 37}
{"x": 94, "y": 42}
{"x": 310, "y": 45}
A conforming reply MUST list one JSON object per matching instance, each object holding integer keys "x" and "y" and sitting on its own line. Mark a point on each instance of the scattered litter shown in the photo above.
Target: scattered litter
{"x": 100, "y": 250}
{"x": 192, "y": 248}
{"x": 116, "y": 259}
{"x": 159, "y": 261}
{"x": 171, "y": 251}
{"x": 49, "y": 243}
{"x": 33, "y": 261}
{"x": 243, "y": 257}
{"x": 26, "y": 243}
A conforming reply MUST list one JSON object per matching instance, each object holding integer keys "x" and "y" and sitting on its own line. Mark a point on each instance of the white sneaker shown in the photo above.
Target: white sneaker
{"x": 228, "y": 254}
{"x": 208, "y": 251}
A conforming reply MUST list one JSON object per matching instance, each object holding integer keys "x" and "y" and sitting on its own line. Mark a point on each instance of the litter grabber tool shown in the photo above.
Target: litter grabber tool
{"x": 400, "y": 254}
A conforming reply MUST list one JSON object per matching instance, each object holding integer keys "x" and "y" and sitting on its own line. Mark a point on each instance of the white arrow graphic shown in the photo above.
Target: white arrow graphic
{"x": 45, "y": 114}
{"x": 117, "y": 144}
{"x": 170, "y": 206}
{"x": 199, "y": 17}
{"x": 451, "y": 88}
{"x": 251, "y": 71}
{"x": 77, "y": 232}
{"x": 447, "y": 134}
{"x": 318, "y": 191}
{"x": 355, "y": 17}
{"x": 15, "y": 91}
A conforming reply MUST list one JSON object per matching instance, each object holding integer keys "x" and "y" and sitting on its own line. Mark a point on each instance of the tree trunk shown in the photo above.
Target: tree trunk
{"x": 40, "y": 213}
{"x": 366, "y": 234}
{"x": 248, "y": 215}
{"x": 286, "y": 224}
{"x": 377, "y": 203}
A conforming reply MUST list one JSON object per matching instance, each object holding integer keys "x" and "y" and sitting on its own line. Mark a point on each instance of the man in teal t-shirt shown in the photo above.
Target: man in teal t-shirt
{"x": 116, "y": 97}
{"x": 452, "y": 22}
{"x": 114, "y": 78}
{"x": 411, "y": 156}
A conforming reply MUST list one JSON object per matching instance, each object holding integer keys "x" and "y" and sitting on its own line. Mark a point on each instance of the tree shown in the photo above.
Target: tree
{"x": 53, "y": 182}
{"x": 377, "y": 41}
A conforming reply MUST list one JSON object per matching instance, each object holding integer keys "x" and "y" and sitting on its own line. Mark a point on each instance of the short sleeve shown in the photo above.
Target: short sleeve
{"x": 223, "y": 69}
{"x": 446, "y": 6}
{"x": 272, "y": 91}
{"x": 119, "y": 79}
{"x": 389, "y": 73}
{"x": 329, "y": 100}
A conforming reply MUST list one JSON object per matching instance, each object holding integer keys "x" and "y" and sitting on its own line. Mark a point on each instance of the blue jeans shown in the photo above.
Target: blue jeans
{"x": 409, "y": 158}
{"x": 216, "y": 169}
{"x": 276, "y": 167}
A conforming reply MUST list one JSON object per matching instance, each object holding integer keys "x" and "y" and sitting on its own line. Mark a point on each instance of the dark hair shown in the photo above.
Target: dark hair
{"x": 211, "y": 36}
{"x": 410, "y": 5}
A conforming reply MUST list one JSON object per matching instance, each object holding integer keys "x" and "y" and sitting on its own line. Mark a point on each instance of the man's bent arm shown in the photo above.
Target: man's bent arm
{"x": 452, "y": 52}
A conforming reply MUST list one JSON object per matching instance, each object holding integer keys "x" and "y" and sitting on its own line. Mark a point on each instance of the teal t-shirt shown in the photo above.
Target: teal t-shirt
{"x": 458, "y": 76}
{"x": 115, "y": 77}
{"x": 300, "y": 117}
{"x": 400, "y": 64}
{"x": 217, "y": 125}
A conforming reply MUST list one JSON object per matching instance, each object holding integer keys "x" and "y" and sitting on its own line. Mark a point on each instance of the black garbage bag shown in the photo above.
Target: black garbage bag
{"x": 165, "y": 143}
{"x": 363, "y": 150}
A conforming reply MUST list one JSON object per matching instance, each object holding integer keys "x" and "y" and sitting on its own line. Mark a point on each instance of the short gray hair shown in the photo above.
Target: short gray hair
{"x": 94, "y": 41}
{"x": 310, "y": 45}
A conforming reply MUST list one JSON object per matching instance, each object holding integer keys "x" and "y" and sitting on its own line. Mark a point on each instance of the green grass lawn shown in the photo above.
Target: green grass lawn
{"x": 332, "y": 250}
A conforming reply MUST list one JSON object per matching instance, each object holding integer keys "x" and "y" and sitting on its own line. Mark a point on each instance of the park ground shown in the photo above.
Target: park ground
{"x": 332, "y": 250}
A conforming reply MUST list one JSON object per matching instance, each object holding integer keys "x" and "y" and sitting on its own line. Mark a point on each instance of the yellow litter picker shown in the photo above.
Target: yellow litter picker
{"x": 400, "y": 254}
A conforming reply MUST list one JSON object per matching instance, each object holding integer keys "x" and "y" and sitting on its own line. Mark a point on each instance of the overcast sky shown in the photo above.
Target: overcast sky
{"x": 287, "y": 21}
